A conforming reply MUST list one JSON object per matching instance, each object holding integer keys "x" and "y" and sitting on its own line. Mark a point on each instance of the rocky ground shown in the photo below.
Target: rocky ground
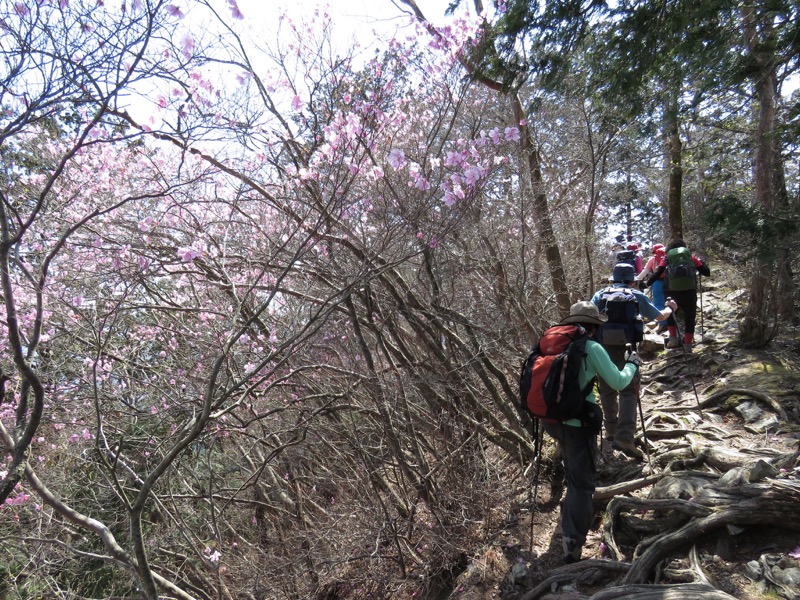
{"x": 722, "y": 410}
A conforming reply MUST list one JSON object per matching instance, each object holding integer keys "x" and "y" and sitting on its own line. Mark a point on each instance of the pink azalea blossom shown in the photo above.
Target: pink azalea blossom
{"x": 235, "y": 12}
{"x": 18, "y": 499}
{"x": 453, "y": 159}
{"x": 473, "y": 175}
{"x": 397, "y": 159}
{"x": 297, "y": 103}
{"x": 175, "y": 11}
{"x": 512, "y": 134}
{"x": 187, "y": 46}
{"x": 187, "y": 254}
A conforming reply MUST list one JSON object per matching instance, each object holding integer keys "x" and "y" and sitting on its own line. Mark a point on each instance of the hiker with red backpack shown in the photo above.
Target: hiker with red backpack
{"x": 625, "y": 308}
{"x": 582, "y": 359}
{"x": 680, "y": 268}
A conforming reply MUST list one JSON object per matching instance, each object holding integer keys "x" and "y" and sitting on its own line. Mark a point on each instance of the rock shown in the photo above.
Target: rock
{"x": 768, "y": 423}
{"x": 749, "y": 411}
{"x": 788, "y": 577}
{"x": 753, "y": 570}
{"x": 735, "y": 295}
{"x": 732, "y": 477}
{"x": 518, "y": 573}
{"x": 760, "y": 470}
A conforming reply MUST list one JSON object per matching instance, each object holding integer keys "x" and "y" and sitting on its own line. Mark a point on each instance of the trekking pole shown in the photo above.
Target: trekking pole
{"x": 702, "y": 326}
{"x": 691, "y": 377}
{"x": 537, "y": 445}
{"x": 629, "y": 348}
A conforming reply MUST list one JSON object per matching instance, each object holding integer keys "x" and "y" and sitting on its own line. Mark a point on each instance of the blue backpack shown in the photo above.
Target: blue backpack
{"x": 624, "y": 325}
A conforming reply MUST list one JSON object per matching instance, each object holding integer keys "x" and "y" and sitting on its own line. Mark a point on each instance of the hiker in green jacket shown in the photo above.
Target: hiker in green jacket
{"x": 578, "y": 442}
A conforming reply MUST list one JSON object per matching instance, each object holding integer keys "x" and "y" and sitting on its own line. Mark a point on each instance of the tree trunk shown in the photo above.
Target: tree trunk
{"x": 759, "y": 325}
{"x": 674, "y": 150}
{"x": 541, "y": 210}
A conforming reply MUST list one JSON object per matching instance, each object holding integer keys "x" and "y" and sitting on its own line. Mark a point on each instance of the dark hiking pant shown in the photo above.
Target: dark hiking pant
{"x": 687, "y": 302}
{"x": 579, "y": 445}
{"x": 619, "y": 407}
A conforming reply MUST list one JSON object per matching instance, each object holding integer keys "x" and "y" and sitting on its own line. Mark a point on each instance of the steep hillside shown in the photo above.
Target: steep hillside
{"x": 711, "y": 512}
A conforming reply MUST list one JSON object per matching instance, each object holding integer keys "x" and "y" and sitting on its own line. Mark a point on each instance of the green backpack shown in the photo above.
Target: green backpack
{"x": 681, "y": 273}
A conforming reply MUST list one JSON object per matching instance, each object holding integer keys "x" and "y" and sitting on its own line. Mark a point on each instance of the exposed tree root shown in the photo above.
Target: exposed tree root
{"x": 719, "y": 397}
{"x": 625, "y": 487}
{"x": 584, "y": 570}
{"x": 685, "y": 591}
{"x": 771, "y": 503}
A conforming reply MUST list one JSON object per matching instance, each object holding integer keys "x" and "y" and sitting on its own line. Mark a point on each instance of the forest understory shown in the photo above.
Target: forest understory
{"x": 711, "y": 512}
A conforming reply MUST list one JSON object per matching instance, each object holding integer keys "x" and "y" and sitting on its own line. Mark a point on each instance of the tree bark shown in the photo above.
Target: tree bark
{"x": 674, "y": 150}
{"x": 759, "y": 325}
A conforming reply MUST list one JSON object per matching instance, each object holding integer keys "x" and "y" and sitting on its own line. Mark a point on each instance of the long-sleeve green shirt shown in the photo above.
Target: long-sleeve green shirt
{"x": 598, "y": 363}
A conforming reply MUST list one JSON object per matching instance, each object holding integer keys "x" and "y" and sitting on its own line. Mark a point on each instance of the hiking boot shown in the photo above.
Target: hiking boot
{"x": 628, "y": 449}
{"x": 572, "y": 551}
{"x": 687, "y": 348}
{"x": 673, "y": 342}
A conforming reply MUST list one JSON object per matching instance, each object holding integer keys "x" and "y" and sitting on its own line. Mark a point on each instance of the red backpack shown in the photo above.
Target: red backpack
{"x": 548, "y": 384}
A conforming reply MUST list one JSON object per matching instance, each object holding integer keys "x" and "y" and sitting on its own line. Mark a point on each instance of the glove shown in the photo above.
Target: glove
{"x": 634, "y": 358}
{"x": 642, "y": 285}
{"x": 672, "y": 304}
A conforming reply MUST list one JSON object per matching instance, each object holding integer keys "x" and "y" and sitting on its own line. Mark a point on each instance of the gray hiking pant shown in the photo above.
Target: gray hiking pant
{"x": 619, "y": 408}
{"x": 579, "y": 445}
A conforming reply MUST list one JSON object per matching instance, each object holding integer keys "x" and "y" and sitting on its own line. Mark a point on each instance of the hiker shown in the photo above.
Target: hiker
{"x": 657, "y": 253}
{"x": 628, "y": 253}
{"x": 625, "y": 308}
{"x": 637, "y": 256}
{"x": 579, "y": 442}
{"x": 616, "y": 248}
{"x": 680, "y": 268}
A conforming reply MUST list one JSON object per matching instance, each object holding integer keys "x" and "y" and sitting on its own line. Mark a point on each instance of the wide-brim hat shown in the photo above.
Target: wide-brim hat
{"x": 584, "y": 312}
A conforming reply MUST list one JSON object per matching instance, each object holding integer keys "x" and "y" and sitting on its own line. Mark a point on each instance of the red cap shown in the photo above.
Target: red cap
{"x": 658, "y": 249}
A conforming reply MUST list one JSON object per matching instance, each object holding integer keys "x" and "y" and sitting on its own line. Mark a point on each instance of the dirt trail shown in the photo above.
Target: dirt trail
{"x": 711, "y": 514}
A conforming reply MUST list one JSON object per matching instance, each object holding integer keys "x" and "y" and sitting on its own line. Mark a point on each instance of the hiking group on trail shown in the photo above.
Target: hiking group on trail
{"x": 597, "y": 344}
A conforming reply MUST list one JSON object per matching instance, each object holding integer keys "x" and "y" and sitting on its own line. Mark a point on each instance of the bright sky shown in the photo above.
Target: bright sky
{"x": 352, "y": 17}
